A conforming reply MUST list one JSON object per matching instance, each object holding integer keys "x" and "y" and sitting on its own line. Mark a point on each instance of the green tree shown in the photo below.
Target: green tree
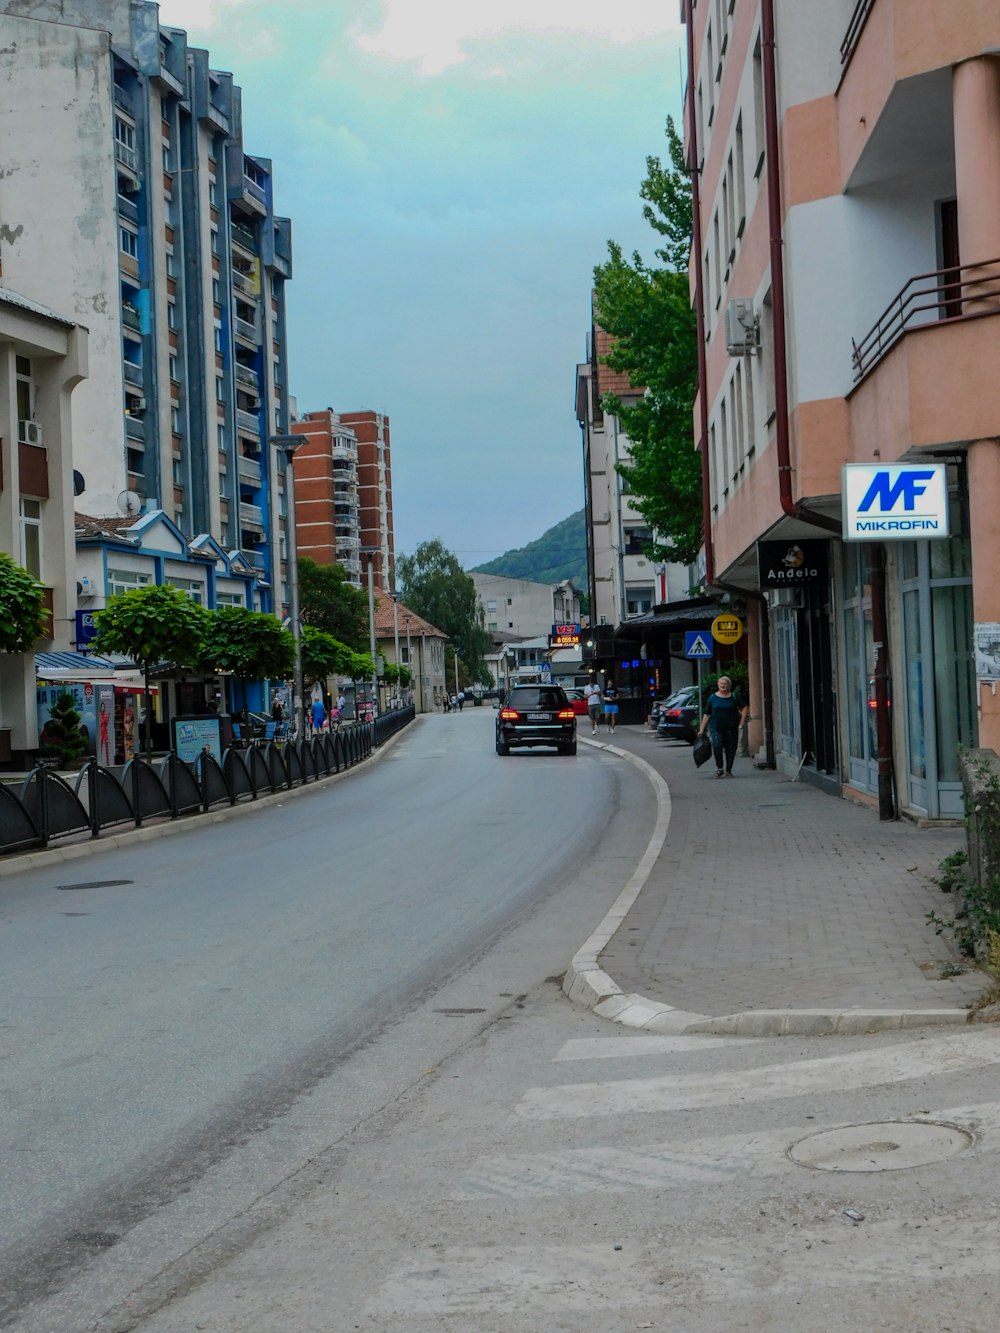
{"x": 249, "y": 645}
{"x": 64, "y": 737}
{"x": 327, "y": 601}
{"x": 434, "y": 585}
{"x": 647, "y": 310}
{"x": 322, "y": 655}
{"x": 154, "y": 624}
{"x": 22, "y": 610}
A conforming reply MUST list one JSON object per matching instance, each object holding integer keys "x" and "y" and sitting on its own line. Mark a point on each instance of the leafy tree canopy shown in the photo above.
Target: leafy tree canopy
{"x": 436, "y": 586}
{"x": 22, "y": 612}
{"x": 559, "y": 553}
{"x": 152, "y": 624}
{"x": 327, "y": 601}
{"x": 323, "y": 655}
{"x": 250, "y": 645}
{"x": 647, "y": 310}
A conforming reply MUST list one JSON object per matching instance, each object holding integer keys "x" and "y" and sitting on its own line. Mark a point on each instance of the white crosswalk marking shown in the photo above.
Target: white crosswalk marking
{"x": 619, "y": 1048}
{"x": 674, "y": 1092}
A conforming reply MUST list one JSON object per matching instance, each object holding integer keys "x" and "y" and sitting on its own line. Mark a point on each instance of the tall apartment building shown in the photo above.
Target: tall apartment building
{"x": 375, "y": 494}
{"x": 845, "y": 269}
{"x": 327, "y": 506}
{"x": 624, "y": 583}
{"x": 132, "y": 204}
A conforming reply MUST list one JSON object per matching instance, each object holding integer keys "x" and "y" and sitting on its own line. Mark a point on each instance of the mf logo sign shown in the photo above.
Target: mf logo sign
{"x": 897, "y": 502}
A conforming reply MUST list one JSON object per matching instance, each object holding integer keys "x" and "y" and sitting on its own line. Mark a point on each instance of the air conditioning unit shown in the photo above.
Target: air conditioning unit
{"x": 742, "y": 328}
{"x": 29, "y": 432}
{"x": 136, "y": 403}
{"x": 86, "y": 587}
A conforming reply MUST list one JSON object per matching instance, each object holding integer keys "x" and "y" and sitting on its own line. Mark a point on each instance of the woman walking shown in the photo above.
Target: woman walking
{"x": 723, "y": 718}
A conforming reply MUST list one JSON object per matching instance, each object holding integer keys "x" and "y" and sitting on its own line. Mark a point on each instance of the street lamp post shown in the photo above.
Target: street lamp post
{"x": 288, "y": 445}
{"x": 395, "y": 636}
{"x": 409, "y": 657}
{"x": 370, "y": 551}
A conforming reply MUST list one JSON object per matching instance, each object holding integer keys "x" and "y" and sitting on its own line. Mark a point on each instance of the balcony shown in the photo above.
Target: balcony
{"x": 127, "y": 209}
{"x": 248, "y": 421}
{"x": 945, "y": 295}
{"x": 130, "y": 318}
{"x": 854, "y": 30}
{"x": 243, "y": 237}
{"x": 245, "y": 330}
{"x": 248, "y": 378}
{"x": 129, "y": 265}
{"x": 123, "y": 101}
{"x": 135, "y": 428}
{"x": 254, "y": 194}
{"x": 245, "y": 285}
{"x": 249, "y": 469}
{"x": 128, "y": 157}
{"x": 251, "y": 515}
{"x": 133, "y": 373}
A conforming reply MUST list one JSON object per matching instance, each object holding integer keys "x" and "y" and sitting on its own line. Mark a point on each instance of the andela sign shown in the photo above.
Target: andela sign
{"x": 896, "y": 502}
{"x": 792, "y": 564}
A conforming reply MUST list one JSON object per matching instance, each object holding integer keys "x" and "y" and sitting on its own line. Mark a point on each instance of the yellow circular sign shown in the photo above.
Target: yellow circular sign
{"x": 727, "y": 629}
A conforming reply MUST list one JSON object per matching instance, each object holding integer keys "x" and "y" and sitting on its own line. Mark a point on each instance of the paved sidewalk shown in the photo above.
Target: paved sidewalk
{"x": 771, "y": 895}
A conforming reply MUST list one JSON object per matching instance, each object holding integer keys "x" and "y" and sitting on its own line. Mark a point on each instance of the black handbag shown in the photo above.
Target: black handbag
{"x": 702, "y": 751}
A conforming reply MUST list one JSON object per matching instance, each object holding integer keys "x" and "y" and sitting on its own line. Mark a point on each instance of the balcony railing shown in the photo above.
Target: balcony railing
{"x": 123, "y": 100}
{"x": 248, "y": 421}
{"x": 251, "y": 514}
{"x": 243, "y": 237}
{"x": 249, "y": 469}
{"x": 133, "y": 373}
{"x": 245, "y": 284}
{"x": 245, "y": 329}
{"x": 254, "y": 190}
{"x": 134, "y": 428}
{"x": 130, "y": 317}
{"x": 854, "y": 30}
{"x": 945, "y": 296}
{"x": 244, "y": 375}
{"x": 126, "y": 156}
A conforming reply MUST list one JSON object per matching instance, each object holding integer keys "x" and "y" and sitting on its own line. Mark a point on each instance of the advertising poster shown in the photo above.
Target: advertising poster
{"x": 987, "y": 637}
{"x": 85, "y": 701}
{"x": 194, "y": 735}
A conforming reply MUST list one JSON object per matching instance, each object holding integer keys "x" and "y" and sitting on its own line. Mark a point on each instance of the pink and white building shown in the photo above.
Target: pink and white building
{"x": 846, "y": 269}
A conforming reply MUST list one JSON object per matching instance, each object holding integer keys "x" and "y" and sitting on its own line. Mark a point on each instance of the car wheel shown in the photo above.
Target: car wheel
{"x": 568, "y": 749}
{"x": 503, "y": 749}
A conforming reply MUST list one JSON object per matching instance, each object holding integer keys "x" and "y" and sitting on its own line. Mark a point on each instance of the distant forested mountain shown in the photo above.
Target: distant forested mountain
{"x": 560, "y": 553}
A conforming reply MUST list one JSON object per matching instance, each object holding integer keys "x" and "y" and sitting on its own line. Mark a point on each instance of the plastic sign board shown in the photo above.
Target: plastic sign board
{"x": 897, "y": 502}
{"x": 698, "y": 643}
{"x": 727, "y": 629}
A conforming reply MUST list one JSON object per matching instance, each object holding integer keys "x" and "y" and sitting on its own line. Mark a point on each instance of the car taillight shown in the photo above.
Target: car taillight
{"x": 509, "y": 714}
{"x": 673, "y": 712}
{"x": 566, "y": 712}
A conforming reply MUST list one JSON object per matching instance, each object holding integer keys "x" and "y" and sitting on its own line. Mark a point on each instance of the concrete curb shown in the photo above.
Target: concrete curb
{"x": 75, "y": 851}
{"x": 587, "y": 983}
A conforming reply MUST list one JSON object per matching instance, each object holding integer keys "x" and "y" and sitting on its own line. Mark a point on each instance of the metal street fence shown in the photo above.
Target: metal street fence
{"x": 48, "y": 807}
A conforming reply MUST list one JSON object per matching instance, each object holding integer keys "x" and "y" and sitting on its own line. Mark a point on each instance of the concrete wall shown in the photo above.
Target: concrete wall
{"x": 58, "y": 218}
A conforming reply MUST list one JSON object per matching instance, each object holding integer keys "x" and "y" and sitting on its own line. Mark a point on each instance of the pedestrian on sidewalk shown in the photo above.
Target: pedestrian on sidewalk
{"x": 595, "y": 705}
{"x": 610, "y": 705}
{"x": 724, "y": 716}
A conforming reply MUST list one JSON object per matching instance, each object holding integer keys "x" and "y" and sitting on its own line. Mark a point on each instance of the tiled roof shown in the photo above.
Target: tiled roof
{"x": 86, "y": 526}
{"x": 384, "y": 621}
{"x": 608, "y": 380}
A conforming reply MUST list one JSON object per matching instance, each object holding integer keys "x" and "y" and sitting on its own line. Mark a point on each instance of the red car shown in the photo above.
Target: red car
{"x": 578, "y": 702}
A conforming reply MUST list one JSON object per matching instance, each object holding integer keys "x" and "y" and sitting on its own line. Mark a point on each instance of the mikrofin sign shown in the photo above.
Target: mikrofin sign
{"x": 895, "y": 502}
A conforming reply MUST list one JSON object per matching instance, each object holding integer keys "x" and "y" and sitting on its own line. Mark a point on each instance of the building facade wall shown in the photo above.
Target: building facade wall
{"x": 375, "y": 493}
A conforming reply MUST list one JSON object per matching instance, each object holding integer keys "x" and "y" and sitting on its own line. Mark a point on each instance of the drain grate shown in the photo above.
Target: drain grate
{"x": 96, "y": 884}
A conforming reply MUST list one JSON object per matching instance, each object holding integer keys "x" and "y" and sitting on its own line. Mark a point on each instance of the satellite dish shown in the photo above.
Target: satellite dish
{"x": 130, "y": 504}
{"x": 79, "y": 485}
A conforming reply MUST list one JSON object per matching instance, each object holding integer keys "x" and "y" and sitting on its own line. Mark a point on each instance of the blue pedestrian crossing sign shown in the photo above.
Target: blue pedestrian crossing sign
{"x": 698, "y": 643}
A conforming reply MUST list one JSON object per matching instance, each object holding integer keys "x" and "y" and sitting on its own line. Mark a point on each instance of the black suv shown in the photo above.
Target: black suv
{"x": 536, "y": 715}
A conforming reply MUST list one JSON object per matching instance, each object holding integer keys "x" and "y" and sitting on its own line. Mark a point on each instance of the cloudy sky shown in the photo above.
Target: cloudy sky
{"x": 453, "y": 170}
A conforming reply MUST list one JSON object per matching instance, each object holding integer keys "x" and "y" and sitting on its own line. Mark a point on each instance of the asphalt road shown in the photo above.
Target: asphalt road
{"x": 174, "y": 1047}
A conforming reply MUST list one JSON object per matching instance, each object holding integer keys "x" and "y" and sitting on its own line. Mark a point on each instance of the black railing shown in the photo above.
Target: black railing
{"x": 47, "y": 806}
{"x": 948, "y": 294}
{"x": 854, "y": 30}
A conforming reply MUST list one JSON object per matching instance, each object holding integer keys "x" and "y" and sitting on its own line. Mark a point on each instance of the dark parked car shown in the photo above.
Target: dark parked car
{"x": 679, "y": 716}
{"x": 536, "y": 715}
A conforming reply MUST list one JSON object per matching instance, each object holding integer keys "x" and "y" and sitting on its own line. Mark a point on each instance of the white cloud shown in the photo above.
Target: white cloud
{"x": 437, "y": 34}
{"x": 197, "y": 15}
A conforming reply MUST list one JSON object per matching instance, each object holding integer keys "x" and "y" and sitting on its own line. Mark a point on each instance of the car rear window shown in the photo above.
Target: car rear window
{"x": 536, "y": 696}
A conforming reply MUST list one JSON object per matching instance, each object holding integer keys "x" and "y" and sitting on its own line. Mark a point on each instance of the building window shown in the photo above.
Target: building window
{"x": 25, "y": 389}
{"x": 216, "y": 291}
{"x": 218, "y": 338}
{"x": 173, "y": 369}
{"x": 124, "y": 580}
{"x": 129, "y": 242}
{"x": 215, "y": 241}
{"x": 638, "y": 601}
{"x": 491, "y": 605}
{"x": 220, "y": 436}
{"x": 192, "y": 587}
{"x": 125, "y": 133}
{"x": 171, "y": 314}
{"x": 220, "y": 389}
{"x": 175, "y": 420}
{"x": 31, "y": 537}
{"x": 636, "y": 539}
{"x": 229, "y": 599}
{"x": 213, "y": 199}
{"x": 171, "y": 265}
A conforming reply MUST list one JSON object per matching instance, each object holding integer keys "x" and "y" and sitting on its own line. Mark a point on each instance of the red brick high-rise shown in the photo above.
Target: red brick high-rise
{"x": 375, "y": 494}
{"x": 327, "y": 521}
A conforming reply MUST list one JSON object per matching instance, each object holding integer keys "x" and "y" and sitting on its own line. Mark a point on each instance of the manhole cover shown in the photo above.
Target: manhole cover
{"x": 888, "y": 1145}
{"x": 96, "y": 884}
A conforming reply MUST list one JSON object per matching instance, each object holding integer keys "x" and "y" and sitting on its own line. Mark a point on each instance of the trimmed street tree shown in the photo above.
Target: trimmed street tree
{"x": 323, "y": 655}
{"x": 64, "y": 738}
{"x": 149, "y": 625}
{"x": 22, "y": 610}
{"x": 249, "y": 645}
{"x": 648, "y": 312}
